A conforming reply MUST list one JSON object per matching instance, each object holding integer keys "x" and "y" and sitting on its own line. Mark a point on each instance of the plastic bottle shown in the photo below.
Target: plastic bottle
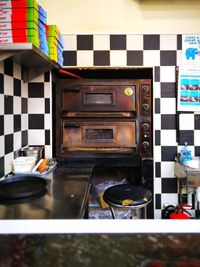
{"x": 185, "y": 153}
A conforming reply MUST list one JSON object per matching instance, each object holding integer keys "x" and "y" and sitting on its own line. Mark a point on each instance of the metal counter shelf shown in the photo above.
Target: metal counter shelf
{"x": 191, "y": 175}
{"x": 66, "y": 197}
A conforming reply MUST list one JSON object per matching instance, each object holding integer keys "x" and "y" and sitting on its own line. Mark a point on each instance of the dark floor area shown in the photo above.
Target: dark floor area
{"x": 163, "y": 250}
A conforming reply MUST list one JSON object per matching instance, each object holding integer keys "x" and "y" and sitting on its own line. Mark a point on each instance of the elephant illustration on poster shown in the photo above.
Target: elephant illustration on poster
{"x": 191, "y": 53}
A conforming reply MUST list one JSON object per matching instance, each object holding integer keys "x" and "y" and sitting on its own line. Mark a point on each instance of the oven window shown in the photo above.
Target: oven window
{"x": 98, "y": 135}
{"x": 98, "y": 98}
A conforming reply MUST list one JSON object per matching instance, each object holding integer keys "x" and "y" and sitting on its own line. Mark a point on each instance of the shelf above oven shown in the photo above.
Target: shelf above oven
{"x": 33, "y": 61}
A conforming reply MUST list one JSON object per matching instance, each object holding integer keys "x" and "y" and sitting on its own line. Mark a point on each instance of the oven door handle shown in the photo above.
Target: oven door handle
{"x": 71, "y": 125}
{"x": 75, "y": 89}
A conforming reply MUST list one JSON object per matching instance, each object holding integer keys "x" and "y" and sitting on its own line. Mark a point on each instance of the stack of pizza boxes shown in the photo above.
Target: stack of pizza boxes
{"x": 55, "y": 44}
{"x": 23, "y": 21}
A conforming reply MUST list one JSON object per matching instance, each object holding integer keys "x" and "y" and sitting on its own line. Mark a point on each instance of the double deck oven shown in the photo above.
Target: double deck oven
{"x": 103, "y": 118}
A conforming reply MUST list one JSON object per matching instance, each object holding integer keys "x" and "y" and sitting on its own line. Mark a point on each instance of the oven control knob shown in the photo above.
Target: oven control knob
{"x": 145, "y": 107}
{"x": 145, "y": 126}
{"x": 145, "y": 88}
{"x": 145, "y": 145}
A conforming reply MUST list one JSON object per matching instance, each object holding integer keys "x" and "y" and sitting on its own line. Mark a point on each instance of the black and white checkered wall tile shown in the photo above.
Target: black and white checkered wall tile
{"x": 121, "y": 50}
{"x": 39, "y": 112}
{"x": 20, "y": 102}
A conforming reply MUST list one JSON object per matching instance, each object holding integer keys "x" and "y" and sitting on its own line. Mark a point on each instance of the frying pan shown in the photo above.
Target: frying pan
{"x": 116, "y": 194}
{"x": 20, "y": 187}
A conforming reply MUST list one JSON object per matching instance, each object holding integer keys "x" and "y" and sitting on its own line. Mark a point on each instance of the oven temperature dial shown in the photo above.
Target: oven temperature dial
{"x": 145, "y": 146}
{"x": 145, "y": 107}
{"x": 145, "y": 88}
{"x": 145, "y": 126}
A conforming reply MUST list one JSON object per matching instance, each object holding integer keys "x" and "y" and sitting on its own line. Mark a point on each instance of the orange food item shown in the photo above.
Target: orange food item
{"x": 43, "y": 165}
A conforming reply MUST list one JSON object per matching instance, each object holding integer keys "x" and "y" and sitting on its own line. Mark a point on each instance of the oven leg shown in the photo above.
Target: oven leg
{"x": 113, "y": 212}
{"x": 145, "y": 212}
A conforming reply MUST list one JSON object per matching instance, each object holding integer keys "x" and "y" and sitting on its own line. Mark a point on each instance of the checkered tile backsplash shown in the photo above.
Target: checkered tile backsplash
{"x": 25, "y": 113}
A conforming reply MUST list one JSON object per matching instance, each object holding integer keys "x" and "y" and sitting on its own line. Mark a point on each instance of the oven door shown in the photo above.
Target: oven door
{"x": 107, "y": 97}
{"x": 98, "y": 136}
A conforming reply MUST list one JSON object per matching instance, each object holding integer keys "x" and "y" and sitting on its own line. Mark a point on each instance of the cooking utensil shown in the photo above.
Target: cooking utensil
{"x": 52, "y": 163}
{"x": 20, "y": 187}
{"x": 118, "y": 193}
{"x": 37, "y": 165}
{"x": 34, "y": 151}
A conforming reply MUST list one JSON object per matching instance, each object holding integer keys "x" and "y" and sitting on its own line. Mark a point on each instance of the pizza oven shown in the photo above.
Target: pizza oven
{"x": 107, "y": 117}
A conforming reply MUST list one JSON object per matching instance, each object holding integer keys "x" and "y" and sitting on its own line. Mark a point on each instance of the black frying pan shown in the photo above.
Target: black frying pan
{"x": 21, "y": 187}
{"x": 116, "y": 194}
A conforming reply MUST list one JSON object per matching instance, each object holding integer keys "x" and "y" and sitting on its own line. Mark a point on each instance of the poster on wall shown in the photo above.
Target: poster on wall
{"x": 191, "y": 50}
{"x": 189, "y": 89}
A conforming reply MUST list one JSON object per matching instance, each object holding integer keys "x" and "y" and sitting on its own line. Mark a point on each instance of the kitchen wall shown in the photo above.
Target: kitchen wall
{"x": 25, "y": 113}
{"x": 123, "y": 16}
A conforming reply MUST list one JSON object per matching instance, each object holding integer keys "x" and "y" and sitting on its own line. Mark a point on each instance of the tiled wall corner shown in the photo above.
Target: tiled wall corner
{"x": 13, "y": 114}
{"x": 25, "y": 113}
{"x": 40, "y": 112}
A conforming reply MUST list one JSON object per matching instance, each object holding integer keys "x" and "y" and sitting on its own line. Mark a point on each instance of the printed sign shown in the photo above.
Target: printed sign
{"x": 191, "y": 50}
{"x": 189, "y": 89}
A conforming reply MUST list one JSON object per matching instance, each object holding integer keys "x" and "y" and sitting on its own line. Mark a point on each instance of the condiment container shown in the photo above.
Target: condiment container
{"x": 34, "y": 151}
{"x": 23, "y": 164}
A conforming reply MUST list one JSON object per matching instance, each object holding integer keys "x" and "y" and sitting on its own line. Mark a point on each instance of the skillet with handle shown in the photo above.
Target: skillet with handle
{"x": 21, "y": 187}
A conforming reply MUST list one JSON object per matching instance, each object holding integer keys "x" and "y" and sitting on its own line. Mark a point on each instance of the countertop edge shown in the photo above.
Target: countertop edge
{"x": 53, "y": 226}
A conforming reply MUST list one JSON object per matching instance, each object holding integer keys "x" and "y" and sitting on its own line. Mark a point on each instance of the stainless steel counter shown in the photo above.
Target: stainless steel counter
{"x": 67, "y": 190}
{"x": 192, "y": 175}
